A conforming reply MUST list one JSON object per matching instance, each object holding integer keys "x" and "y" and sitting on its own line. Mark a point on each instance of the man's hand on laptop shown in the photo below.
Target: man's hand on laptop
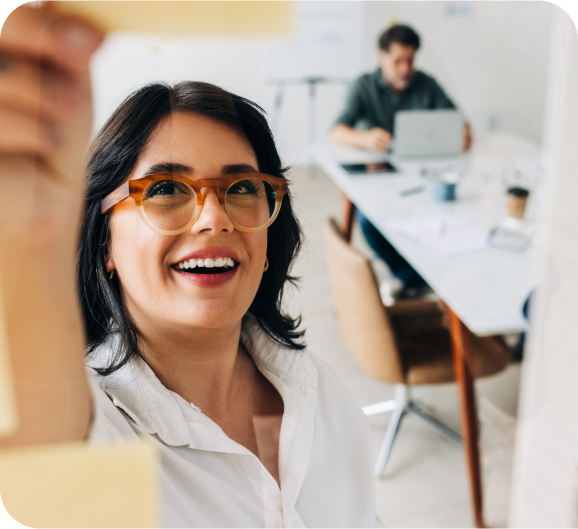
{"x": 376, "y": 139}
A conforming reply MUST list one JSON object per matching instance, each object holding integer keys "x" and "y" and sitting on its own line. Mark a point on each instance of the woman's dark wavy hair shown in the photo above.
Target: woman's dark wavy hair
{"x": 114, "y": 154}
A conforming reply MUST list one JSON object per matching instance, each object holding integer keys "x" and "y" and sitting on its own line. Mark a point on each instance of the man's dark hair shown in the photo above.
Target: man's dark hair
{"x": 114, "y": 154}
{"x": 401, "y": 34}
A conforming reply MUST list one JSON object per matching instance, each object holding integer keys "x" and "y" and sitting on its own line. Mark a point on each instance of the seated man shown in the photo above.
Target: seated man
{"x": 367, "y": 122}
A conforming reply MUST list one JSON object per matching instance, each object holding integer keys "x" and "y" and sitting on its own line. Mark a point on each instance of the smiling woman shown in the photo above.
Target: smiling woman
{"x": 186, "y": 246}
{"x": 187, "y": 237}
{"x": 177, "y": 142}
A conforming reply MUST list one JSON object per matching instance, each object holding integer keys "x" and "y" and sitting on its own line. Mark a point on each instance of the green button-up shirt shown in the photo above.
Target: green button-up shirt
{"x": 372, "y": 103}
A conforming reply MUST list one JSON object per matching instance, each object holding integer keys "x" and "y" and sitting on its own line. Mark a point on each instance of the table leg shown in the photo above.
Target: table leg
{"x": 348, "y": 216}
{"x": 462, "y": 352}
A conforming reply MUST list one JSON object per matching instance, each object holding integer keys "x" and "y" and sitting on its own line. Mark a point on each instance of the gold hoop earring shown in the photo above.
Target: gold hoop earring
{"x": 111, "y": 273}
{"x": 266, "y": 264}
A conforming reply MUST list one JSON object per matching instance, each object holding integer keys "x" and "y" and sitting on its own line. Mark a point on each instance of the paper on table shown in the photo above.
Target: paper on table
{"x": 182, "y": 18}
{"x": 74, "y": 485}
{"x": 533, "y": 170}
{"x": 346, "y": 154}
{"x": 444, "y": 235}
{"x": 8, "y": 417}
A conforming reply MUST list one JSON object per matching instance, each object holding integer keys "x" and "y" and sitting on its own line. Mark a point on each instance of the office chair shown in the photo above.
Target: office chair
{"x": 405, "y": 344}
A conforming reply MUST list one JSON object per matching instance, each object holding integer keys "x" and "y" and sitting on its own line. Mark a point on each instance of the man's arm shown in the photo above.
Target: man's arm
{"x": 344, "y": 132}
{"x": 467, "y": 137}
{"x": 438, "y": 98}
{"x": 376, "y": 139}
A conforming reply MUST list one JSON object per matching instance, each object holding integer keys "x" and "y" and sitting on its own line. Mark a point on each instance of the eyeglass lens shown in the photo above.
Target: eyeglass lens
{"x": 170, "y": 205}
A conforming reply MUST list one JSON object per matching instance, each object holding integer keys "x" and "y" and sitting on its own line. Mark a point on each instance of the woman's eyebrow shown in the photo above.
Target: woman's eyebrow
{"x": 185, "y": 170}
{"x": 169, "y": 168}
{"x": 238, "y": 169}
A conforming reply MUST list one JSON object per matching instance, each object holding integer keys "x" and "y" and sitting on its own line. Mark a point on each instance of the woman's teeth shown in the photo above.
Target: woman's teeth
{"x": 219, "y": 262}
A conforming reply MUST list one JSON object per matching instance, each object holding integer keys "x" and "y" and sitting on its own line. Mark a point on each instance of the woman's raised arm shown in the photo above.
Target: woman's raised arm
{"x": 45, "y": 124}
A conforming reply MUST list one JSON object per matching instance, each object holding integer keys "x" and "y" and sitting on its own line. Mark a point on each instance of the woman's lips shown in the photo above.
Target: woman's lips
{"x": 208, "y": 280}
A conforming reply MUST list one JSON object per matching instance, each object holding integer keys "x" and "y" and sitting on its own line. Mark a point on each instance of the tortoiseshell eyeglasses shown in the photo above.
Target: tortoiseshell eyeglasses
{"x": 170, "y": 204}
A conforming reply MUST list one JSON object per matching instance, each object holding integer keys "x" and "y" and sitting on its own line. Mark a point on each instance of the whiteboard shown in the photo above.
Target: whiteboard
{"x": 326, "y": 44}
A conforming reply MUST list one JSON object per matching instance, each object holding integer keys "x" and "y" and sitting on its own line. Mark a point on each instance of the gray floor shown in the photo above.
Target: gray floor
{"x": 425, "y": 484}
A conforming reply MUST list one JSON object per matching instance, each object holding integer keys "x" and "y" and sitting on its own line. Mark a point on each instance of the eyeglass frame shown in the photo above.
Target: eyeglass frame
{"x": 135, "y": 189}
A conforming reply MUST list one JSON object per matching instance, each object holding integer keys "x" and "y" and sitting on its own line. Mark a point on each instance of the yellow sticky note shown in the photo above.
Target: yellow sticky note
{"x": 73, "y": 485}
{"x": 186, "y": 17}
{"x": 8, "y": 418}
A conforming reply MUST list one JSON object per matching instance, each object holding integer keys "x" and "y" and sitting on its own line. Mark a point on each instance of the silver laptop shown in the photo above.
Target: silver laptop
{"x": 420, "y": 133}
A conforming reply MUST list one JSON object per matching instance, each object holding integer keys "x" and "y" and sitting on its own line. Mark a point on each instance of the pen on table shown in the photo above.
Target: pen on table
{"x": 411, "y": 191}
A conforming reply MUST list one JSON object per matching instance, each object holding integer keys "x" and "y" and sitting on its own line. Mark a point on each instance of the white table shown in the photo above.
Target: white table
{"x": 484, "y": 291}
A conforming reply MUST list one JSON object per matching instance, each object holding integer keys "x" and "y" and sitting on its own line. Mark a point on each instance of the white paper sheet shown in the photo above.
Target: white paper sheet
{"x": 444, "y": 235}
{"x": 533, "y": 170}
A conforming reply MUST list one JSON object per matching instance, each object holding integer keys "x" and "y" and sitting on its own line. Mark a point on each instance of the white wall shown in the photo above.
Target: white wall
{"x": 490, "y": 56}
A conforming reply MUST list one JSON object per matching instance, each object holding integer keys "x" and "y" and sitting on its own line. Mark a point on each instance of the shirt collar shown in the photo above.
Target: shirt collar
{"x": 135, "y": 389}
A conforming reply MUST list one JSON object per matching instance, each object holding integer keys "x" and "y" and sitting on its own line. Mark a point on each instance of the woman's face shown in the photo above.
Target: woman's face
{"x": 157, "y": 293}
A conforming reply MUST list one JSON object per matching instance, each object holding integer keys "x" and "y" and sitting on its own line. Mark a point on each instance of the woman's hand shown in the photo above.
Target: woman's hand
{"x": 45, "y": 124}
{"x": 45, "y": 116}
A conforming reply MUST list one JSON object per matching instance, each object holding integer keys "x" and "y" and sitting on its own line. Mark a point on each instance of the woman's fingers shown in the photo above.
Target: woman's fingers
{"x": 35, "y": 102}
{"x": 23, "y": 134}
{"x": 45, "y": 92}
{"x": 42, "y": 34}
{"x": 42, "y": 92}
{"x": 44, "y": 63}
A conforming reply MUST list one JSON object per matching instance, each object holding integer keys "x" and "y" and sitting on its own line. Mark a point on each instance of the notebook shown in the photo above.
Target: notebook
{"x": 76, "y": 485}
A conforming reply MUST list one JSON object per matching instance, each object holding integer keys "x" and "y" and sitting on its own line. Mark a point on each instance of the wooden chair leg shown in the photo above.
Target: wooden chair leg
{"x": 462, "y": 353}
{"x": 348, "y": 217}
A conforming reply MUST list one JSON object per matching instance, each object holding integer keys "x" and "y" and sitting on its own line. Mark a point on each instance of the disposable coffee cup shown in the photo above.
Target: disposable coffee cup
{"x": 517, "y": 198}
{"x": 443, "y": 187}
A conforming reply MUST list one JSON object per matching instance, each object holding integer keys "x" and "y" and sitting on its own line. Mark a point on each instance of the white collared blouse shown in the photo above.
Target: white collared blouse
{"x": 209, "y": 480}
